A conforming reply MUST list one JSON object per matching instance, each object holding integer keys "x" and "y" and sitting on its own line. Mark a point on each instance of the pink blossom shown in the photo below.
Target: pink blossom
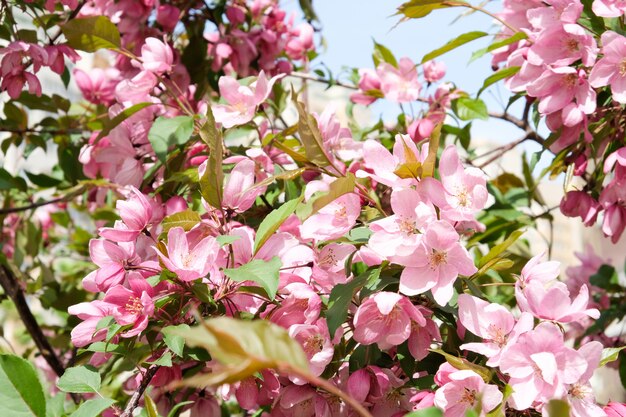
{"x": 467, "y": 390}
{"x": 494, "y": 324}
{"x": 434, "y": 71}
{"x": 580, "y": 204}
{"x": 396, "y": 237}
{"x": 614, "y": 409}
{"x": 113, "y": 261}
{"x": 167, "y": 16}
{"x": 437, "y": 263}
{"x": 156, "y": 56}
{"x": 97, "y": 86}
{"x": 580, "y": 394}
{"x": 90, "y": 313}
{"x": 300, "y": 305}
{"x": 612, "y": 199}
{"x": 301, "y": 42}
{"x": 333, "y": 220}
{"x": 132, "y": 306}
{"x": 369, "y": 87}
{"x": 329, "y": 267}
{"x": 136, "y": 213}
{"x": 399, "y": 84}
{"x": 609, "y": 8}
{"x": 385, "y": 319}
{"x": 536, "y": 270}
{"x": 553, "y": 302}
{"x": 540, "y": 366}
{"x": 239, "y": 190}
{"x": 611, "y": 68}
{"x": 242, "y": 100}
{"x": 422, "y": 336}
{"x": 316, "y": 343}
{"x": 563, "y": 44}
{"x": 188, "y": 259}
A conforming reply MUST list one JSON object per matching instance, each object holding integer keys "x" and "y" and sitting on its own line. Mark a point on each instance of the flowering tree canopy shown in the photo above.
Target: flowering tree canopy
{"x": 206, "y": 245}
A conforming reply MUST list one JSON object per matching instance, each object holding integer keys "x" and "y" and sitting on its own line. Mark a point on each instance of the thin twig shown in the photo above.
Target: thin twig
{"x": 134, "y": 400}
{"x": 311, "y": 77}
{"x": 33, "y": 205}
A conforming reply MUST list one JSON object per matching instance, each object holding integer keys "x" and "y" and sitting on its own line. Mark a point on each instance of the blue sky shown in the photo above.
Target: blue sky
{"x": 349, "y": 26}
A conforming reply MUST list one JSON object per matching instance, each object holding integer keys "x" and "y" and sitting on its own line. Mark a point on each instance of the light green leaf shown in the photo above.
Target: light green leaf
{"x": 468, "y": 108}
{"x": 416, "y": 9}
{"x": 453, "y": 44}
{"x": 610, "y": 355}
{"x": 428, "y": 167}
{"x": 341, "y": 297}
{"x": 264, "y": 273}
{"x": 172, "y": 338}
{"x": 187, "y": 219}
{"x": 212, "y": 182}
{"x": 426, "y": 412}
{"x": 91, "y": 33}
{"x": 383, "y": 54}
{"x": 166, "y": 132}
{"x": 336, "y": 189}
{"x": 80, "y": 379}
{"x": 244, "y": 348}
{"x": 93, "y": 408}
{"x": 227, "y": 240}
{"x": 558, "y": 408}
{"x": 463, "y": 364}
{"x": 21, "y": 394}
{"x": 500, "y": 75}
{"x": 273, "y": 221}
{"x": 311, "y": 137}
{"x": 110, "y": 124}
{"x": 150, "y": 406}
{"x": 499, "y": 248}
{"x": 518, "y": 36}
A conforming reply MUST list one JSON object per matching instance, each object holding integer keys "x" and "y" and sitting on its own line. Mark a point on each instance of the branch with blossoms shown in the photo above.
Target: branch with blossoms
{"x": 216, "y": 248}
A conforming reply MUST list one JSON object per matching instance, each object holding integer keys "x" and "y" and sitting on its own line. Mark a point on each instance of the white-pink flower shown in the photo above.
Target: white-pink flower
{"x": 611, "y": 68}
{"x": 466, "y": 390}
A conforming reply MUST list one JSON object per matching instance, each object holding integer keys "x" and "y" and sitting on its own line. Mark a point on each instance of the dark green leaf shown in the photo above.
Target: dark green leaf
{"x": 166, "y": 132}
{"x": 172, "y": 338}
{"x": 212, "y": 182}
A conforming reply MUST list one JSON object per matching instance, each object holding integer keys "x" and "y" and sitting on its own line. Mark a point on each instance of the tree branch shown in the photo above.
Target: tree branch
{"x": 311, "y": 77}
{"x": 12, "y": 288}
{"x": 134, "y": 400}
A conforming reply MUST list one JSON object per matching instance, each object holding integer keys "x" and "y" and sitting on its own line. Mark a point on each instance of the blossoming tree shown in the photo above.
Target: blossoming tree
{"x": 207, "y": 246}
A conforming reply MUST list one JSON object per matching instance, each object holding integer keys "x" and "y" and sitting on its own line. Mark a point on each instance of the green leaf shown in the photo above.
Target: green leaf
{"x": 187, "y": 219}
{"x": 110, "y": 124}
{"x": 383, "y": 54}
{"x": 499, "y": 248}
{"x": 311, "y": 137}
{"x": 500, "y": 75}
{"x": 9, "y": 182}
{"x": 610, "y": 355}
{"x": 150, "y": 406}
{"x": 166, "y": 132}
{"x": 227, "y": 240}
{"x": 212, "y": 182}
{"x": 273, "y": 221}
{"x": 341, "y": 297}
{"x": 264, "y": 273}
{"x": 426, "y": 412}
{"x": 605, "y": 277}
{"x": 91, "y": 33}
{"x": 453, "y": 44}
{"x": 462, "y": 364}
{"x": 468, "y": 108}
{"x": 172, "y": 338}
{"x": 21, "y": 394}
{"x": 416, "y": 9}
{"x": 336, "y": 189}
{"x": 558, "y": 408}
{"x": 55, "y": 406}
{"x": 164, "y": 360}
{"x": 244, "y": 348}
{"x": 80, "y": 379}
{"x": 518, "y": 36}
{"x": 93, "y": 408}
{"x": 428, "y": 167}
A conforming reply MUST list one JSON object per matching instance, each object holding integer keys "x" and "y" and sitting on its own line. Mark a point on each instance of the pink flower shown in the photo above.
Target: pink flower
{"x": 91, "y": 313}
{"x": 554, "y": 303}
{"x": 464, "y": 391}
{"x": 535, "y": 270}
{"x": 333, "y": 220}
{"x": 300, "y": 305}
{"x": 97, "y": 86}
{"x": 316, "y": 343}
{"x": 540, "y": 366}
{"x": 612, "y": 199}
{"x": 187, "y": 259}
{"x": 385, "y": 319}
{"x": 136, "y": 213}
{"x": 113, "y": 260}
{"x": 437, "y": 263}
{"x": 609, "y": 8}
{"x": 156, "y": 56}
{"x": 422, "y": 337}
{"x": 614, "y": 409}
{"x": 167, "y": 16}
{"x": 563, "y": 44}
{"x": 132, "y": 306}
{"x": 493, "y": 323}
{"x": 329, "y": 267}
{"x": 434, "y": 71}
{"x": 396, "y": 237}
{"x": 242, "y": 100}
{"x": 580, "y": 204}
{"x": 564, "y": 88}
{"x": 369, "y": 87}
{"x": 580, "y": 394}
{"x": 239, "y": 190}
{"x": 399, "y": 84}
{"x": 611, "y": 68}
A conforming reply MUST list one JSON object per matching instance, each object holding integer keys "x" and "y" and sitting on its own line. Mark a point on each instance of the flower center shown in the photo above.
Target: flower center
{"x": 469, "y": 396}
{"x": 579, "y": 391}
{"x": 313, "y": 344}
{"x": 572, "y": 45}
{"x": 622, "y": 67}
{"x": 341, "y": 212}
{"x": 407, "y": 226}
{"x": 570, "y": 80}
{"x": 438, "y": 258}
{"x": 497, "y": 335}
{"x": 329, "y": 259}
{"x": 134, "y": 305}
